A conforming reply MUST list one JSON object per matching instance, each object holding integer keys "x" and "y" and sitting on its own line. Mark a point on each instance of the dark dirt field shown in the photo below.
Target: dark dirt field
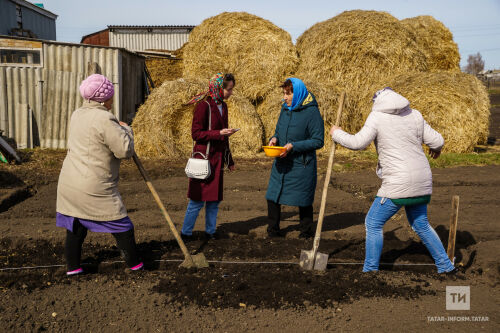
{"x": 244, "y": 295}
{"x": 494, "y": 135}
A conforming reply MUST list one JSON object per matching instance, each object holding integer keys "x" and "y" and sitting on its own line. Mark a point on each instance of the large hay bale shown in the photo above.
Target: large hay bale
{"x": 162, "y": 126}
{"x": 258, "y": 53}
{"x": 357, "y": 47}
{"x": 436, "y": 41}
{"x": 269, "y": 110}
{"x": 453, "y": 103}
{"x": 166, "y": 69}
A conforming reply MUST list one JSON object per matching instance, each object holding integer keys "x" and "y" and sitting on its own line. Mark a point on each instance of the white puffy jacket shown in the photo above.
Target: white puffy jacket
{"x": 399, "y": 132}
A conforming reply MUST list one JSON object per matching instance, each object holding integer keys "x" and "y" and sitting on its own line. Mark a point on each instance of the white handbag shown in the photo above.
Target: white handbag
{"x": 198, "y": 168}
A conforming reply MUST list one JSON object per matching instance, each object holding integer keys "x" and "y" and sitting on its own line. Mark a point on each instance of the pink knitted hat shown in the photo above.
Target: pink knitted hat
{"x": 97, "y": 88}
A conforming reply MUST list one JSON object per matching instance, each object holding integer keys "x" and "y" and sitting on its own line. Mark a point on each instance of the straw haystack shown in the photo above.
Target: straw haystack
{"x": 356, "y": 48}
{"x": 436, "y": 41}
{"x": 162, "y": 126}
{"x": 269, "y": 111}
{"x": 166, "y": 69}
{"x": 258, "y": 53}
{"x": 453, "y": 103}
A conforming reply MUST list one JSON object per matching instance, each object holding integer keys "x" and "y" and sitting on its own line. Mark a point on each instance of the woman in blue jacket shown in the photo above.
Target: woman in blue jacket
{"x": 300, "y": 130}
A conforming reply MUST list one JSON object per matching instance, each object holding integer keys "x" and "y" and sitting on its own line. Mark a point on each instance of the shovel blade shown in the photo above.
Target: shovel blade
{"x": 306, "y": 260}
{"x": 321, "y": 261}
{"x": 309, "y": 262}
{"x": 195, "y": 260}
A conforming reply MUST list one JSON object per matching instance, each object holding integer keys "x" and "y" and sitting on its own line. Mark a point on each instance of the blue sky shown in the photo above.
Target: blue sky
{"x": 475, "y": 24}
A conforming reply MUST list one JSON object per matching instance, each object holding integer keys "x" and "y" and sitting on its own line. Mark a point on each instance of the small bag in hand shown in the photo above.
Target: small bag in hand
{"x": 198, "y": 168}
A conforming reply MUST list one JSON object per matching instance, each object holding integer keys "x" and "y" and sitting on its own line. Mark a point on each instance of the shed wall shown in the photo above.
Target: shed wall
{"x": 36, "y": 103}
{"x": 139, "y": 40}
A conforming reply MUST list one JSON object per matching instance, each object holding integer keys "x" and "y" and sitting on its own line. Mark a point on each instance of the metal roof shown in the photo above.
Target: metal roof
{"x": 151, "y": 26}
{"x": 35, "y": 8}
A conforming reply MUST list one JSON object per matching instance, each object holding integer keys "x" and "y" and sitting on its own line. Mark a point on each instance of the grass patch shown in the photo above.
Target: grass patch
{"x": 345, "y": 162}
{"x": 454, "y": 159}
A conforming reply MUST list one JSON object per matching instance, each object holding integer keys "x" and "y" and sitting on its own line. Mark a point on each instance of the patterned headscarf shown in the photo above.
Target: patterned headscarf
{"x": 215, "y": 90}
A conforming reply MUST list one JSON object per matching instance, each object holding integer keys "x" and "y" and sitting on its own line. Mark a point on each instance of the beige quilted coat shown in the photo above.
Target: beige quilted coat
{"x": 88, "y": 182}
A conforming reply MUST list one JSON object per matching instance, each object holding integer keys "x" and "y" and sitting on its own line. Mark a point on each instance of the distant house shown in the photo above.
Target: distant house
{"x": 141, "y": 38}
{"x": 23, "y": 19}
{"x": 493, "y": 74}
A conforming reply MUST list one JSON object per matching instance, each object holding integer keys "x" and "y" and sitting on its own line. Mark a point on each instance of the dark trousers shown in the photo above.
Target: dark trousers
{"x": 274, "y": 216}
{"x": 125, "y": 241}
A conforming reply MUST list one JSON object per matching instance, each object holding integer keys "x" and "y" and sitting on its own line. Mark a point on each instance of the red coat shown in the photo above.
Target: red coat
{"x": 210, "y": 189}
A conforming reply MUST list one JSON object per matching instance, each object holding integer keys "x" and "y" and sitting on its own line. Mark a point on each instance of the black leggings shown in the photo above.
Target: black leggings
{"x": 125, "y": 241}
{"x": 274, "y": 216}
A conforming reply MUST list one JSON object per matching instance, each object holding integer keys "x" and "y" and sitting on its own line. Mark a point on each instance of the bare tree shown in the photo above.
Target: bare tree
{"x": 475, "y": 64}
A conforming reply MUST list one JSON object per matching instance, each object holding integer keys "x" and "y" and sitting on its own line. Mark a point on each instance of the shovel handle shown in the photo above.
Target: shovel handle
{"x": 453, "y": 227}
{"x": 162, "y": 208}
{"x": 319, "y": 227}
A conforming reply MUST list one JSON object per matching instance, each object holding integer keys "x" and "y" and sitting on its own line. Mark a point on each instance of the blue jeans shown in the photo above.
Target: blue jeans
{"x": 192, "y": 211}
{"x": 380, "y": 212}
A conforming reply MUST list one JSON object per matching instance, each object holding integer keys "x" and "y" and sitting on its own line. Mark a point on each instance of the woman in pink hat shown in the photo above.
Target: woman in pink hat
{"x": 87, "y": 192}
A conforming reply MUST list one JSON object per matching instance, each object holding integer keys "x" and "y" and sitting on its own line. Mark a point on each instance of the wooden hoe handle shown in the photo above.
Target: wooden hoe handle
{"x": 327, "y": 180}
{"x": 162, "y": 208}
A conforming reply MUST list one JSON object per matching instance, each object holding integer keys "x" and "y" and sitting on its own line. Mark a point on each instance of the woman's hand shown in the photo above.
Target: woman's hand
{"x": 232, "y": 168}
{"x": 227, "y": 132}
{"x": 272, "y": 142}
{"x": 334, "y": 128}
{"x": 288, "y": 147}
{"x": 123, "y": 124}
{"x": 434, "y": 153}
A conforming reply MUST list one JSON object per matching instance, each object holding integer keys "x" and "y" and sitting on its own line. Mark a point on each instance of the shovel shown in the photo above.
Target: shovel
{"x": 313, "y": 259}
{"x": 196, "y": 260}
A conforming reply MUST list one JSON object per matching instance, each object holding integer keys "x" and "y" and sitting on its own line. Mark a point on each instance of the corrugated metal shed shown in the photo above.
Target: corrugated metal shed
{"x": 30, "y": 19}
{"x": 36, "y": 102}
{"x": 141, "y": 38}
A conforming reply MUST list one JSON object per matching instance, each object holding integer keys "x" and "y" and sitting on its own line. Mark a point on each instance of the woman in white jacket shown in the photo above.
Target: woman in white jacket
{"x": 398, "y": 132}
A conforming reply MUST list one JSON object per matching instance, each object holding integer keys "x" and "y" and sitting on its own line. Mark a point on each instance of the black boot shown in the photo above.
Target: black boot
{"x": 274, "y": 216}
{"x": 187, "y": 238}
{"x": 306, "y": 222}
{"x": 73, "y": 246}
{"x": 125, "y": 242}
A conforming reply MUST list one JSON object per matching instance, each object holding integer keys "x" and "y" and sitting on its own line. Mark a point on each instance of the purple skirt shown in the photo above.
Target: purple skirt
{"x": 115, "y": 226}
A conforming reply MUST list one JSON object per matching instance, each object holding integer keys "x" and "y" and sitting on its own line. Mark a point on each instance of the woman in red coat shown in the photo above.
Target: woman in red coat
{"x": 209, "y": 192}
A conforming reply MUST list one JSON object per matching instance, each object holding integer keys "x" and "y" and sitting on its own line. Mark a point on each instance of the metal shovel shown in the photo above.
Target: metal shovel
{"x": 196, "y": 260}
{"x": 313, "y": 259}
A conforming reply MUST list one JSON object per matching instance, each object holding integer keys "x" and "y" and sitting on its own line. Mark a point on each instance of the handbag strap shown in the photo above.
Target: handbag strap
{"x": 209, "y": 128}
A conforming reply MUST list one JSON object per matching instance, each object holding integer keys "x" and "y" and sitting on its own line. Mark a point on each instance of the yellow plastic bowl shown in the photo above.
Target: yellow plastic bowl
{"x": 273, "y": 151}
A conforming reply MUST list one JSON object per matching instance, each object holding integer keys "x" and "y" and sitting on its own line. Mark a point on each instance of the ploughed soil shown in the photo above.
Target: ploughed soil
{"x": 254, "y": 282}
{"x": 494, "y": 130}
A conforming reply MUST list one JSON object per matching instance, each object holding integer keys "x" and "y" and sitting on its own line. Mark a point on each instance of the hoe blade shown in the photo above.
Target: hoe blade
{"x": 195, "y": 260}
